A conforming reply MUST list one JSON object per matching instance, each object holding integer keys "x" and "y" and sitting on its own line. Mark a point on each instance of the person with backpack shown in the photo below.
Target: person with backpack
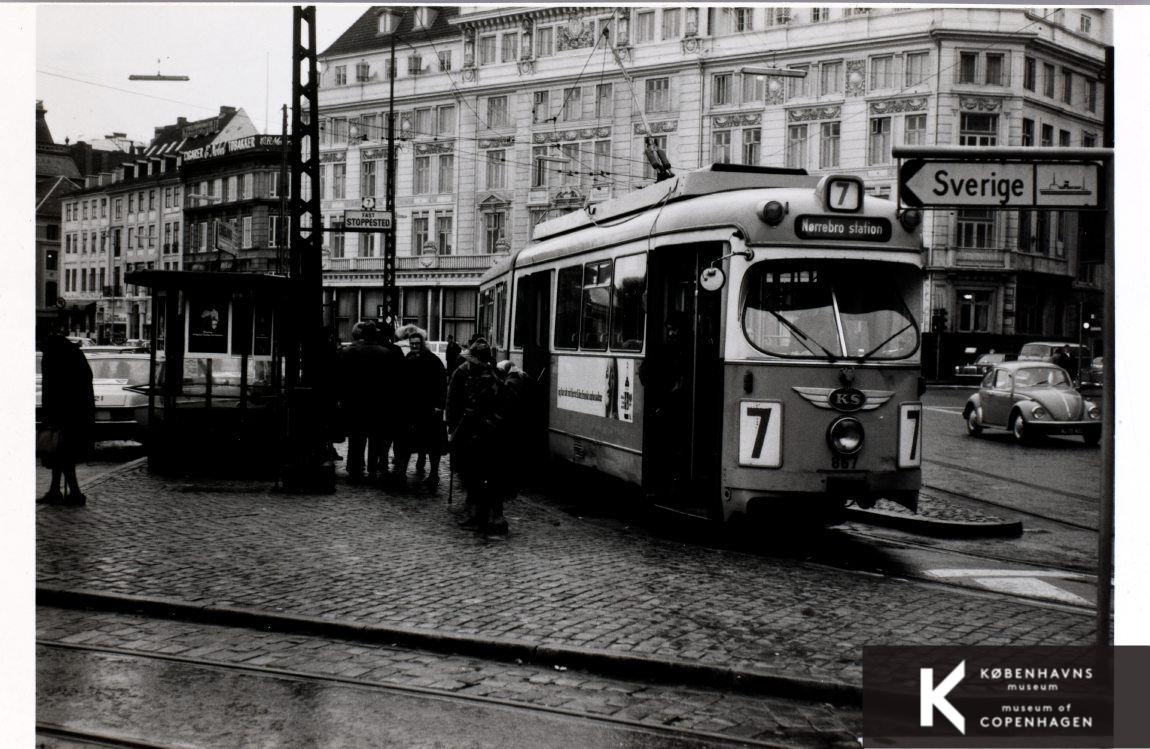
{"x": 477, "y": 422}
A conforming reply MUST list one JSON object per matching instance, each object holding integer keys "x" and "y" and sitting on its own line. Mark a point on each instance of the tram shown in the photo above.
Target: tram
{"x": 734, "y": 340}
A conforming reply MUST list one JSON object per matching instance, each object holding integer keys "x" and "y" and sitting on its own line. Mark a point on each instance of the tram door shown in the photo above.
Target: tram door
{"x": 683, "y": 385}
{"x": 531, "y": 330}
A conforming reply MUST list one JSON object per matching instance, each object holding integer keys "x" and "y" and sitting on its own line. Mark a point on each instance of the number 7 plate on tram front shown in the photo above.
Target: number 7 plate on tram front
{"x": 761, "y": 434}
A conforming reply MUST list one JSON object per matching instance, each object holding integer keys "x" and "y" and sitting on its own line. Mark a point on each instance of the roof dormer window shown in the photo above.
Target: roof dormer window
{"x": 424, "y": 17}
{"x": 388, "y": 22}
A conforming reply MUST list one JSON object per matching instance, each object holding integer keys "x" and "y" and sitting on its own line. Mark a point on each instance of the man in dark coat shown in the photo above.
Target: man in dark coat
{"x": 424, "y": 393}
{"x": 68, "y": 407}
{"x": 392, "y": 408}
{"x": 363, "y": 365}
{"x": 452, "y": 354}
{"x": 477, "y": 426}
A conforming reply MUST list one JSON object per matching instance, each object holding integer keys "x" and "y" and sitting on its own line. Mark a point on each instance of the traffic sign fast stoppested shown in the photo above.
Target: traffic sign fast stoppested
{"x": 980, "y": 184}
{"x": 366, "y": 221}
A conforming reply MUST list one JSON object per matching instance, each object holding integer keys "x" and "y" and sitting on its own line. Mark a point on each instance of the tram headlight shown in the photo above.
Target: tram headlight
{"x": 845, "y": 435}
{"x": 772, "y": 212}
{"x": 910, "y": 219}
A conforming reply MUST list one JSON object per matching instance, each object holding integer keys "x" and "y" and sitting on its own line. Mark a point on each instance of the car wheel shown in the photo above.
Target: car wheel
{"x": 1018, "y": 429}
{"x": 973, "y": 427}
{"x": 1092, "y": 437}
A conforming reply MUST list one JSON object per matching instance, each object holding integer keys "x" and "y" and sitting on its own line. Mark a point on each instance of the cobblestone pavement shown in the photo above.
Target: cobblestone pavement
{"x": 543, "y": 686}
{"x": 370, "y": 557}
{"x": 933, "y": 507}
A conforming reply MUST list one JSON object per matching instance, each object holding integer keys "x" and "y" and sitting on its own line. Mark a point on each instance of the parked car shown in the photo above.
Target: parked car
{"x": 974, "y": 371}
{"x": 120, "y": 413}
{"x": 1092, "y": 375}
{"x": 1045, "y": 351}
{"x": 81, "y": 341}
{"x": 1031, "y": 399}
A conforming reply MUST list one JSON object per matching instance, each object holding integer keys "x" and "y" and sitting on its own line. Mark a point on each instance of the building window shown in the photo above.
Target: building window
{"x": 419, "y": 229}
{"x": 541, "y": 106}
{"x": 246, "y": 232}
{"x": 644, "y": 26}
{"x": 1084, "y": 23}
{"x": 830, "y": 78}
{"x": 422, "y": 122}
{"x": 967, "y": 67}
{"x": 819, "y": 15}
{"x": 445, "y": 61}
{"x": 496, "y": 170}
{"x": 604, "y": 101}
{"x": 85, "y": 210}
{"x": 341, "y": 75}
{"x": 671, "y": 23}
{"x": 602, "y": 162}
{"x": 103, "y": 207}
{"x": 572, "y": 103}
{"x": 995, "y": 69}
{"x": 1067, "y": 86}
{"x": 657, "y": 97}
{"x": 167, "y": 197}
{"x": 507, "y": 49}
{"x": 721, "y": 146}
{"x": 659, "y": 142}
{"x": 744, "y": 19}
{"x": 486, "y": 49}
{"x": 338, "y": 181}
{"x": 1029, "y": 74}
{"x": 367, "y": 178}
{"x": 1048, "y": 79}
{"x": 446, "y": 173}
{"x": 421, "y": 181}
{"x": 367, "y": 245}
{"x": 976, "y": 229}
{"x": 497, "y": 111}
{"x": 151, "y": 237}
{"x": 828, "y": 145}
{"x": 362, "y": 72}
{"x": 1027, "y": 132}
{"x": 545, "y": 41}
{"x": 800, "y": 87}
{"x": 752, "y": 145}
{"x": 721, "y": 91}
{"x": 797, "y": 146}
{"x": 1064, "y": 138}
{"x": 1091, "y": 96}
{"x": 459, "y": 307}
{"x": 754, "y": 88}
{"x": 1089, "y": 140}
{"x": 882, "y": 72}
{"x": 119, "y": 209}
{"x": 1047, "y": 136}
{"x": 914, "y": 130}
{"x": 444, "y": 231}
{"x": 445, "y": 120}
{"x": 878, "y": 147}
{"x": 978, "y": 130}
{"x": 974, "y": 311}
{"x": 494, "y": 226}
{"x": 778, "y": 16}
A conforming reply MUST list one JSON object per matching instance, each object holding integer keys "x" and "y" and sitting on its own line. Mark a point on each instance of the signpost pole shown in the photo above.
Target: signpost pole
{"x": 389, "y": 290}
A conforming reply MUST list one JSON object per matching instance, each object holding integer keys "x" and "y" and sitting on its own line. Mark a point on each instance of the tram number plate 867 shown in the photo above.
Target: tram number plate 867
{"x": 761, "y": 434}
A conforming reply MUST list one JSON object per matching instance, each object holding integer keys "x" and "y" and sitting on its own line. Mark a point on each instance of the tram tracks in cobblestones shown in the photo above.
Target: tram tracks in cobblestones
{"x": 673, "y": 736}
{"x": 1008, "y": 479}
{"x": 964, "y": 497}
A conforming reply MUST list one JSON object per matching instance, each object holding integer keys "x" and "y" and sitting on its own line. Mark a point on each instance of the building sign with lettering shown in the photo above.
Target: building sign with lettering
{"x": 850, "y": 228}
{"x": 238, "y": 145}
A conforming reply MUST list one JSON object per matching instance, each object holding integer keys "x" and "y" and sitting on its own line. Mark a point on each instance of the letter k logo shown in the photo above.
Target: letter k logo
{"x": 931, "y": 697}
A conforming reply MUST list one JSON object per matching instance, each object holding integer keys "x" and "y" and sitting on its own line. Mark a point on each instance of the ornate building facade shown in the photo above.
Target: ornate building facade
{"x": 508, "y": 116}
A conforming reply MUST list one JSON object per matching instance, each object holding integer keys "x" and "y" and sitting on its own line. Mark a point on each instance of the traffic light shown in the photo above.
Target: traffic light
{"x": 938, "y": 320}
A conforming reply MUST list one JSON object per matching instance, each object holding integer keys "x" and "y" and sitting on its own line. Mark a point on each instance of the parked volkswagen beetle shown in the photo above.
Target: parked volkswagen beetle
{"x": 1030, "y": 399}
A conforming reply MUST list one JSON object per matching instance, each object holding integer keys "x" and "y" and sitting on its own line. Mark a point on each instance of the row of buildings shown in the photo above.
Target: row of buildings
{"x": 483, "y": 92}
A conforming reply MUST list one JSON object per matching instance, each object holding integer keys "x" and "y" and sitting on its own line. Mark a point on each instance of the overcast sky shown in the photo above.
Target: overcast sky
{"x": 235, "y": 55}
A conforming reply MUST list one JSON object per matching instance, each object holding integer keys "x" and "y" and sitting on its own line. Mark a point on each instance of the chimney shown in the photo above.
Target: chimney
{"x": 181, "y": 121}
{"x": 227, "y": 110}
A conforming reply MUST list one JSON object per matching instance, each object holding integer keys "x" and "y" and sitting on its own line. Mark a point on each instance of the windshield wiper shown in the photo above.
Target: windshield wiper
{"x": 887, "y": 340}
{"x": 803, "y": 337}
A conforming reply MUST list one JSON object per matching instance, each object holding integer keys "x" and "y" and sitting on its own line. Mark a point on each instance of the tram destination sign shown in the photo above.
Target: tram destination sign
{"x": 855, "y": 228}
{"x": 988, "y": 184}
{"x": 367, "y": 221}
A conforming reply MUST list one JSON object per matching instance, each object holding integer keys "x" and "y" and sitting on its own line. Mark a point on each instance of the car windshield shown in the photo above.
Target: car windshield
{"x": 134, "y": 371}
{"x": 991, "y": 358}
{"x": 830, "y": 310}
{"x": 1041, "y": 377}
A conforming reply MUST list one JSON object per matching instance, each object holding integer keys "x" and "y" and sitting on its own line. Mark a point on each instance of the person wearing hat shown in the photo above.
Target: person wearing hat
{"x": 476, "y": 420}
{"x": 363, "y": 365}
{"x": 424, "y": 390}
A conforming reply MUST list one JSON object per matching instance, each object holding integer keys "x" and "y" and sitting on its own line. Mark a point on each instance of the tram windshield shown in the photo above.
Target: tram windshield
{"x": 830, "y": 310}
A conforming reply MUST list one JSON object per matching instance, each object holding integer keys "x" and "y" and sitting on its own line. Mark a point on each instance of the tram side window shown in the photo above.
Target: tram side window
{"x": 568, "y": 294}
{"x": 627, "y": 302}
{"x": 596, "y": 304}
{"x": 486, "y": 313}
{"x": 519, "y": 325}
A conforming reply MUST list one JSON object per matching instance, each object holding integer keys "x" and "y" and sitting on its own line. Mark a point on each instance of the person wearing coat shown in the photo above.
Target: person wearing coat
{"x": 477, "y": 424}
{"x": 453, "y": 354}
{"x": 69, "y": 407}
{"x": 389, "y": 426}
{"x": 424, "y": 394}
{"x": 363, "y": 365}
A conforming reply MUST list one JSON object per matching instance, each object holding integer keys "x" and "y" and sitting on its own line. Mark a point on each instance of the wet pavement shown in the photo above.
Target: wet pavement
{"x": 174, "y": 703}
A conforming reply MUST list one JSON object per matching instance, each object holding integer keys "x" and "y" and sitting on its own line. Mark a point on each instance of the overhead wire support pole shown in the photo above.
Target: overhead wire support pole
{"x": 390, "y": 292}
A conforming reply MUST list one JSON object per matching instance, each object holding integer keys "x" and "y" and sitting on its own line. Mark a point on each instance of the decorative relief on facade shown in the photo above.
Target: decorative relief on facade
{"x": 575, "y": 34}
{"x": 569, "y": 195}
{"x": 567, "y": 136}
{"x": 668, "y": 126}
{"x": 776, "y": 90}
{"x": 435, "y": 147}
{"x": 856, "y": 77}
{"x": 527, "y": 35}
{"x": 736, "y": 120}
{"x": 370, "y": 154}
{"x": 692, "y": 26}
{"x": 468, "y": 75}
{"x": 526, "y": 67}
{"x": 469, "y": 48}
{"x": 806, "y": 114}
{"x": 623, "y": 27}
{"x": 332, "y": 156}
{"x": 894, "y": 106}
{"x": 406, "y": 124}
{"x": 500, "y": 142}
{"x": 979, "y": 103}
{"x": 692, "y": 45}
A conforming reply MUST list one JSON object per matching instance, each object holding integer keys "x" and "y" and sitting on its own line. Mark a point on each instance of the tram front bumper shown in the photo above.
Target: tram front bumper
{"x": 835, "y": 492}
